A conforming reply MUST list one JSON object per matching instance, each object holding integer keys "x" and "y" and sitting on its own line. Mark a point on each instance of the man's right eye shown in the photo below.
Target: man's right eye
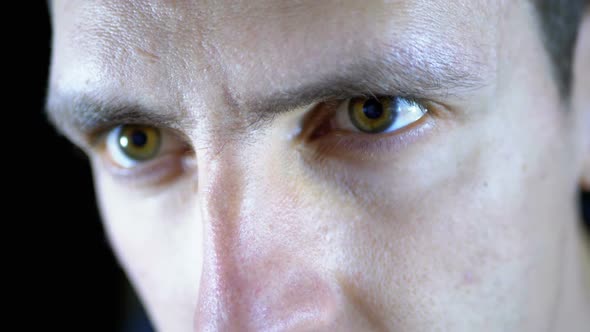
{"x": 140, "y": 150}
{"x": 129, "y": 145}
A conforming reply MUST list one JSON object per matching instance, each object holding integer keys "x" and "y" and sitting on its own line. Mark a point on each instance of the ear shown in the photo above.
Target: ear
{"x": 581, "y": 95}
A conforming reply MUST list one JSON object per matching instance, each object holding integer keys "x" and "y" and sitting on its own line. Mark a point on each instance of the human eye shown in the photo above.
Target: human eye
{"x": 378, "y": 115}
{"x": 144, "y": 153}
{"x": 369, "y": 127}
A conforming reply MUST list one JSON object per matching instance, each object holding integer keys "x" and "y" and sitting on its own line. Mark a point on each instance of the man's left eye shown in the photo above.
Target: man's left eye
{"x": 378, "y": 115}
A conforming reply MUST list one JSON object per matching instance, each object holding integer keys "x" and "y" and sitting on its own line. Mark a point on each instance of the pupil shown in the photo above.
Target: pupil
{"x": 139, "y": 138}
{"x": 373, "y": 109}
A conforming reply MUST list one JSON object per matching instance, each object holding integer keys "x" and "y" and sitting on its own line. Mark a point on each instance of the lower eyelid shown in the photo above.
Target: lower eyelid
{"x": 149, "y": 173}
{"x": 353, "y": 146}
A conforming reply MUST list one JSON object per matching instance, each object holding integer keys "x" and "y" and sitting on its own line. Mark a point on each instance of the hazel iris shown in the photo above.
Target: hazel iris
{"x": 139, "y": 143}
{"x": 373, "y": 115}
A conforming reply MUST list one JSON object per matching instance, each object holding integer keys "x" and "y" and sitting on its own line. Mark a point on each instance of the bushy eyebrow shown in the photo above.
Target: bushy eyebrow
{"x": 399, "y": 74}
{"x": 83, "y": 114}
{"x": 382, "y": 77}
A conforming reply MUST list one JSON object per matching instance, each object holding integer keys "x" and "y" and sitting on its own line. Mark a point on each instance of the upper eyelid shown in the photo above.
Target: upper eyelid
{"x": 97, "y": 136}
{"x": 420, "y": 102}
{"x": 99, "y": 140}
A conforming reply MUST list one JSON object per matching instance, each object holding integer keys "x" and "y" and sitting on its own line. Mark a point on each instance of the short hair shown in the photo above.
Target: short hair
{"x": 560, "y": 22}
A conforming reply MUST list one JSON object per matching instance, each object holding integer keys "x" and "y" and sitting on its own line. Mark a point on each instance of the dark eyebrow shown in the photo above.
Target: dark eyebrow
{"x": 86, "y": 114}
{"x": 81, "y": 114}
{"x": 405, "y": 73}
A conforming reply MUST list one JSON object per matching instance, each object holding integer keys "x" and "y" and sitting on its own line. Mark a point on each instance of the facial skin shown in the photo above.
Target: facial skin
{"x": 251, "y": 218}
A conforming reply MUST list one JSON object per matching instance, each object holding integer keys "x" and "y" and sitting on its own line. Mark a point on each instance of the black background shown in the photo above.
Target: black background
{"x": 65, "y": 276}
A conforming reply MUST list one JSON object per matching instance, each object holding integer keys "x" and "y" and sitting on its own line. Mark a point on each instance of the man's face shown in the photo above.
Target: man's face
{"x": 277, "y": 200}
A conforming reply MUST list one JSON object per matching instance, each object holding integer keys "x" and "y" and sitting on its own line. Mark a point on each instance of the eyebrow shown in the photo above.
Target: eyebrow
{"x": 85, "y": 115}
{"x": 380, "y": 77}
{"x": 86, "y": 112}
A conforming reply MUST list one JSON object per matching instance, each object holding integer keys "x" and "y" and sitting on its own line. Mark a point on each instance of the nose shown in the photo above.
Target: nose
{"x": 252, "y": 279}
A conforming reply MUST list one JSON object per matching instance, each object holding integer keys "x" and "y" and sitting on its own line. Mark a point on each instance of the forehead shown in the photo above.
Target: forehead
{"x": 147, "y": 47}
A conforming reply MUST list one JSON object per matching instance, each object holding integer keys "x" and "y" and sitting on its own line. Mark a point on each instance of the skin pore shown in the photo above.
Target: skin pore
{"x": 265, "y": 210}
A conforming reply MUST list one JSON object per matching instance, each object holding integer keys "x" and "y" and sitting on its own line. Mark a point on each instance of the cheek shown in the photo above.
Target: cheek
{"x": 157, "y": 239}
{"x": 462, "y": 225}
{"x": 446, "y": 232}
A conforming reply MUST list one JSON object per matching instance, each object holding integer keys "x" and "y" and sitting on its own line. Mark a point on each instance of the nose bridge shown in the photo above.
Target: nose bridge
{"x": 251, "y": 278}
{"x": 222, "y": 184}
